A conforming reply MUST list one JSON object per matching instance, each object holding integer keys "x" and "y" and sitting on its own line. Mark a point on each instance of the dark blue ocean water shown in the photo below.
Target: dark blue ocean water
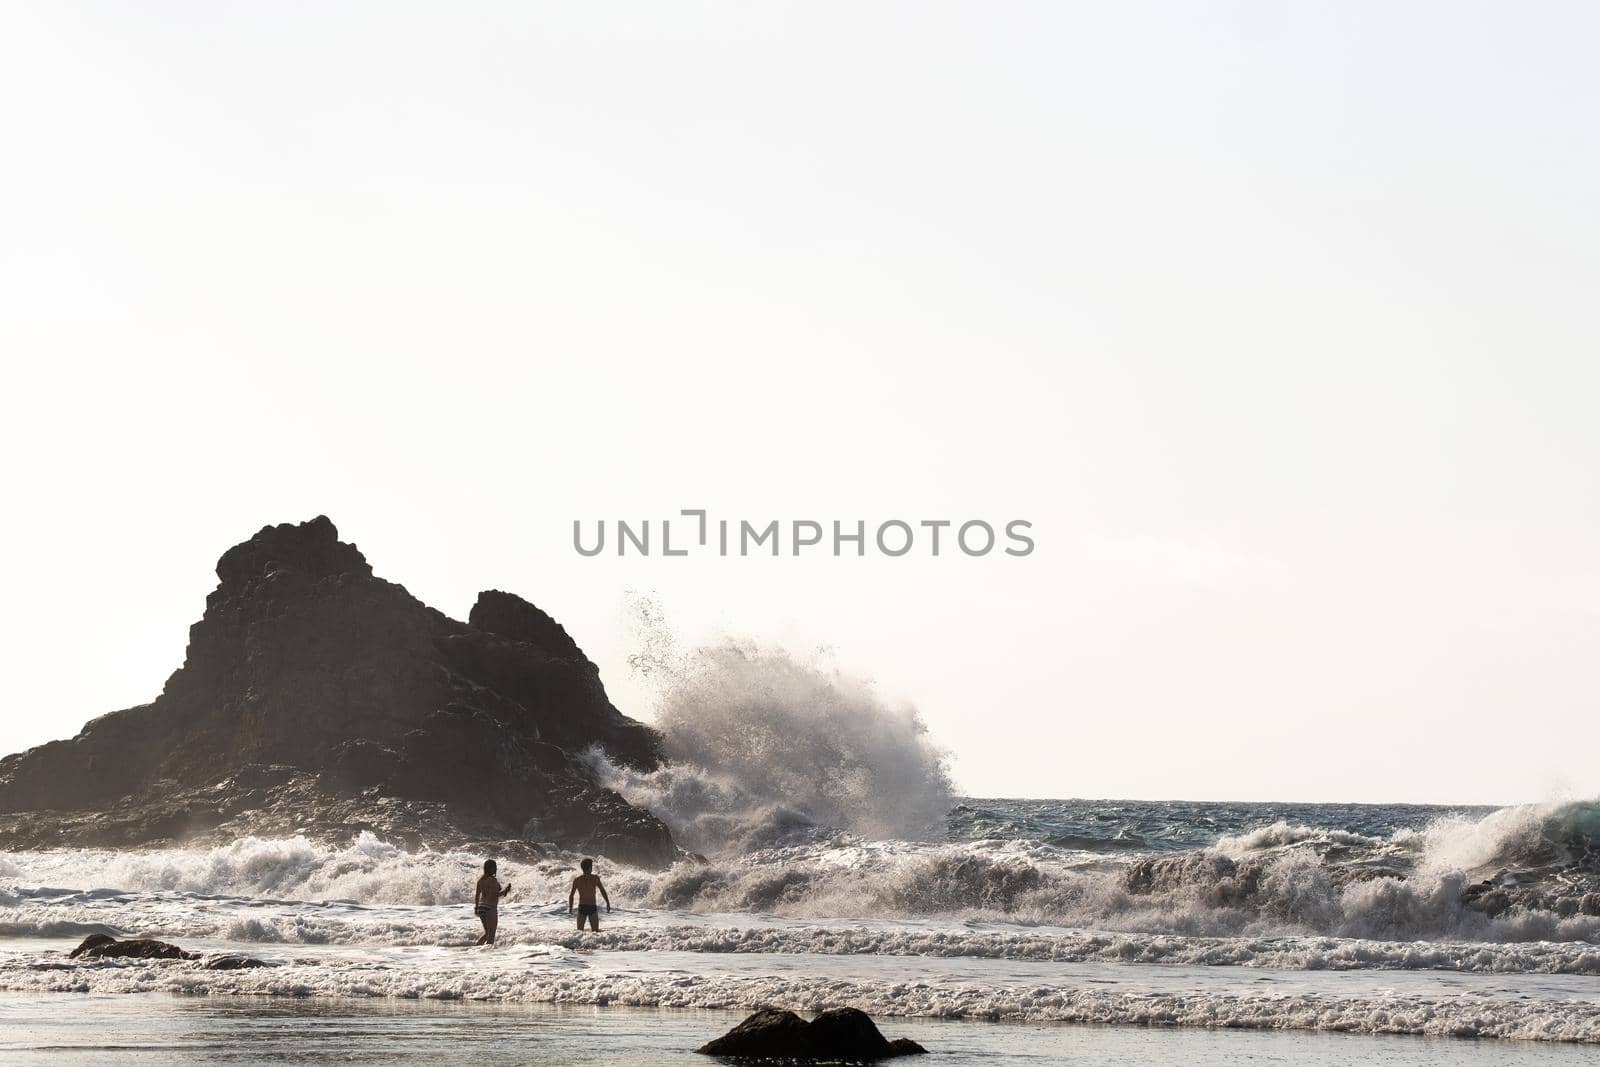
{"x": 1173, "y": 826}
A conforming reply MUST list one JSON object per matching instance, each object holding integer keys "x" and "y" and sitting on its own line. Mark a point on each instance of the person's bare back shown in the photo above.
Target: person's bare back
{"x": 584, "y": 888}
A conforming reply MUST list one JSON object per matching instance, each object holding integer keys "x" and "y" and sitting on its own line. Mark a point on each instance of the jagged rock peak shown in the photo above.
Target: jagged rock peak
{"x": 316, "y": 698}
{"x": 508, "y": 615}
{"x": 312, "y": 548}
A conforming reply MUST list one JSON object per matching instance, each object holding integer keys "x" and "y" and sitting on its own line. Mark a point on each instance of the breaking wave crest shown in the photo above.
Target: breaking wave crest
{"x": 1311, "y": 887}
{"x": 367, "y": 870}
{"x": 1454, "y": 881}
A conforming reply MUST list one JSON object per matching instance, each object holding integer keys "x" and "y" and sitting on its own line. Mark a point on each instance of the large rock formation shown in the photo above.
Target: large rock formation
{"x": 318, "y": 698}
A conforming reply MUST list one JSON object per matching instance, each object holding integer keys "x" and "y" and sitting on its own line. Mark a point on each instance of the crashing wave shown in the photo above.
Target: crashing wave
{"x": 1278, "y": 881}
{"x": 767, "y": 748}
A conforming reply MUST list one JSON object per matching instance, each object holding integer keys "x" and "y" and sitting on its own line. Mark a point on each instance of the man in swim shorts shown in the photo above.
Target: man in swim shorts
{"x": 584, "y": 887}
{"x": 486, "y": 901}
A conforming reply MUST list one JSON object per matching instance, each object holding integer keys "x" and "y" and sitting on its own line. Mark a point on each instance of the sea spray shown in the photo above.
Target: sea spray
{"x": 766, "y": 747}
{"x": 1520, "y": 836}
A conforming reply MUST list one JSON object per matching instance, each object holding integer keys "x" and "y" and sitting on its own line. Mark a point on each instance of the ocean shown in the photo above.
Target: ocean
{"x": 1214, "y": 926}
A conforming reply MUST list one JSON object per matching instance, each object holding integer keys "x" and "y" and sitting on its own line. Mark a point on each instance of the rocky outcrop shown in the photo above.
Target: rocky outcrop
{"x": 837, "y": 1035}
{"x": 104, "y": 947}
{"x": 316, "y": 697}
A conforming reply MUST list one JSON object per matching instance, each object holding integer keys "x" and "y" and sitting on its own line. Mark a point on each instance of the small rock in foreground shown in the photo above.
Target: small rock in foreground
{"x": 232, "y": 961}
{"x": 837, "y": 1034}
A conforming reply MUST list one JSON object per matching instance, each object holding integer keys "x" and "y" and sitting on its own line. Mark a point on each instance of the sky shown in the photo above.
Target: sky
{"x": 1276, "y": 321}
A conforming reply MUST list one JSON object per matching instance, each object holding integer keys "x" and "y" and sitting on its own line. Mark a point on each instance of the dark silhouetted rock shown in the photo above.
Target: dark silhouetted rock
{"x": 101, "y": 947}
{"x": 318, "y": 698}
{"x": 767, "y": 1033}
{"x": 511, "y": 617}
{"x": 838, "y": 1034}
{"x": 846, "y": 1034}
{"x": 90, "y": 943}
{"x": 358, "y": 765}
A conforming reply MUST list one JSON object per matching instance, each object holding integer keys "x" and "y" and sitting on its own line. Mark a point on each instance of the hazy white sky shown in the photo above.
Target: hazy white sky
{"x": 1278, "y": 321}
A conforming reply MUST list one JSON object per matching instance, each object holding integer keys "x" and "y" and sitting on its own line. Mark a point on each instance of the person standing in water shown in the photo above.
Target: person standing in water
{"x": 584, "y": 887}
{"x": 486, "y": 901}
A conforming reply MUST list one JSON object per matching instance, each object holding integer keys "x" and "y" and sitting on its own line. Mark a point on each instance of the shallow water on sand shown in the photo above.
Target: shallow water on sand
{"x": 1542, "y": 1007}
{"x": 161, "y": 1028}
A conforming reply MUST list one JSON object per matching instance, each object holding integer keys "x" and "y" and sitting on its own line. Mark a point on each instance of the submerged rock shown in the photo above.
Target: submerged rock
{"x": 318, "y": 698}
{"x": 232, "y": 961}
{"x": 103, "y": 946}
{"x": 838, "y": 1034}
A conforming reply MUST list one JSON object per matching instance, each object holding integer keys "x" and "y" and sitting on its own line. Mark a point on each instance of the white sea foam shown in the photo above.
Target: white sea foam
{"x": 1283, "y": 833}
{"x": 1290, "y": 891}
{"x": 979, "y": 899}
{"x": 366, "y": 869}
{"x": 1531, "y": 1009}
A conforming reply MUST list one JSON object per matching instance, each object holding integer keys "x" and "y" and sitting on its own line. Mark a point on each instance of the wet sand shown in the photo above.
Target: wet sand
{"x": 159, "y": 1028}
